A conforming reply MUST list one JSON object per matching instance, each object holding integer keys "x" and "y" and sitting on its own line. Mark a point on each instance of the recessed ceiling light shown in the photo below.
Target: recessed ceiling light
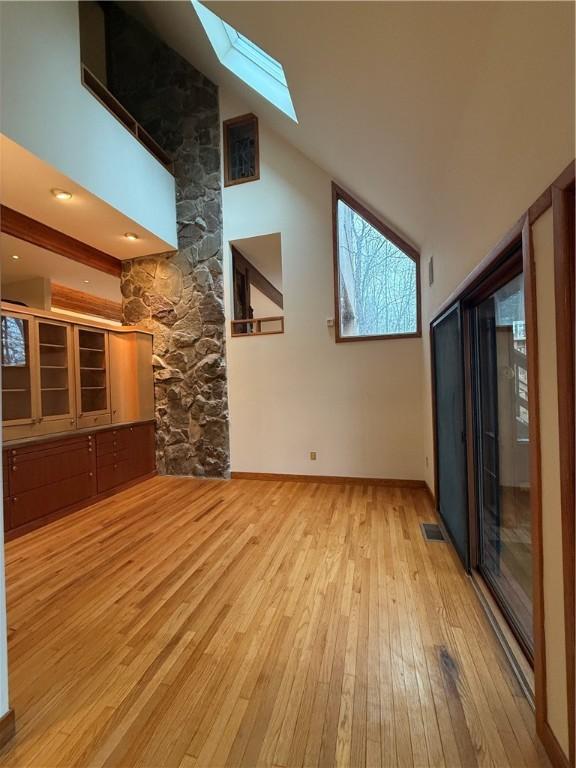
{"x": 130, "y": 236}
{"x": 15, "y": 256}
{"x": 61, "y": 194}
{"x": 86, "y": 281}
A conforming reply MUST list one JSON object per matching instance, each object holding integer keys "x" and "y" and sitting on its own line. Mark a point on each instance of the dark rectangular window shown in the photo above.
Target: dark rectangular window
{"x": 241, "y": 155}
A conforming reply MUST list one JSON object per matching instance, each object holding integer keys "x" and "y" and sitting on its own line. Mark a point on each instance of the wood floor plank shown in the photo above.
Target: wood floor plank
{"x": 195, "y": 624}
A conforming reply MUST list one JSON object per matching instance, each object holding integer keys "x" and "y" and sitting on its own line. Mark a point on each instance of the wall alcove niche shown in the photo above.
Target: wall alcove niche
{"x": 257, "y": 285}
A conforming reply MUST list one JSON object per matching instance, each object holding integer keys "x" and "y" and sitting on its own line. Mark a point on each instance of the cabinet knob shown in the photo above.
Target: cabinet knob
{"x": 91, "y": 474}
{"x": 14, "y": 468}
{"x": 13, "y": 452}
{"x": 14, "y": 499}
{"x": 90, "y": 450}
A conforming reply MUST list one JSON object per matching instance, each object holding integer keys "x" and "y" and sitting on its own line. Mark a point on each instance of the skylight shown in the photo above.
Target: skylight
{"x": 247, "y": 60}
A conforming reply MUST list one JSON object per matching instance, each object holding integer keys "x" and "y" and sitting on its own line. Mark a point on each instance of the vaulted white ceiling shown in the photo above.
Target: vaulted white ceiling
{"x": 381, "y": 89}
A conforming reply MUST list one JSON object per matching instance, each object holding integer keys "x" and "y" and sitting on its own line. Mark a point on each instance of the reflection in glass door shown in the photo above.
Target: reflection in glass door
{"x": 502, "y": 449}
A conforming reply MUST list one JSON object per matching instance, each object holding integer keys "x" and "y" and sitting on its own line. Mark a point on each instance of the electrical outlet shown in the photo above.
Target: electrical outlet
{"x": 313, "y": 456}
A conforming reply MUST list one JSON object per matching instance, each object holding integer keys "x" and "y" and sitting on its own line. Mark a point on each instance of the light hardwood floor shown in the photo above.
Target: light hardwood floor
{"x": 203, "y": 623}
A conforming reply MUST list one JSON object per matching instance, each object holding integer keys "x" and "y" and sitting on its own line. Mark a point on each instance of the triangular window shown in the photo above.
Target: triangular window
{"x": 377, "y": 276}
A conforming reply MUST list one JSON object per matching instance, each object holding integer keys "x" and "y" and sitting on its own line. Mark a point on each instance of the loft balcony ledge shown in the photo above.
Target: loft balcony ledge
{"x": 111, "y": 103}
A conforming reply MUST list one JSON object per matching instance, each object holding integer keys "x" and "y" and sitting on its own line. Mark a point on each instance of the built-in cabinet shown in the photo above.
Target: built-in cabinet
{"x": 56, "y": 375}
{"x": 77, "y": 411}
{"x": 19, "y": 399}
{"x": 60, "y": 376}
{"x": 53, "y": 476}
{"x": 93, "y": 376}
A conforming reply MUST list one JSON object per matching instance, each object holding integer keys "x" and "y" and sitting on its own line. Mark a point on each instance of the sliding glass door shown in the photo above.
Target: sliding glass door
{"x": 450, "y": 428}
{"x": 501, "y": 412}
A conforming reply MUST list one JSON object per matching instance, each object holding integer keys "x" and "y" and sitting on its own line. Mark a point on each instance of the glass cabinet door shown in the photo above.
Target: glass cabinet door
{"x": 55, "y": 370}
{"x": 93, "y": 371}
{"x": 18, "y": 406}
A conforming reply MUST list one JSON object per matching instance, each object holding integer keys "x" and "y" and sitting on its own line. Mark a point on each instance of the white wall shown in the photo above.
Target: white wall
{"x": 262, "y": 305}
{"x": 357, "y": 404}
{"x": 34, "y": 292}
{"x": 46, "y": 109}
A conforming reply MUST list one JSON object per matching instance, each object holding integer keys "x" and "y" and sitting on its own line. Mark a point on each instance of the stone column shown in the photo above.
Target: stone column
{"x": 179, "y": 295}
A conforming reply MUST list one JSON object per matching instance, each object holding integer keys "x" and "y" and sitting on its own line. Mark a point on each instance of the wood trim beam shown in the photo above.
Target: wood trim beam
{"x": 564, "y": 288}
{"x": 552, "y": 747}
{"x": 329, "y": 479}
{"x": 7, "y": 727}
{"x": 19, "y": 225}
{"x": 85, "y": 303}
{"x": 256, "y": 278}
{"x": 255, "y": 326}
{"x": 540, "y": 205}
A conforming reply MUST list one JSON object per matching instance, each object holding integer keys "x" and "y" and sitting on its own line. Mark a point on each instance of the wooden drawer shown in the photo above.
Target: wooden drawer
{"x": 68, "y": 443}
{"x": 86, "y": 421}
{"x": 46, "y": 469}
{"x": 42, "y": 501}
{"x": 115, "y": 440}
{"x": 113, "y": 474}
{"x": 113, "y": 457}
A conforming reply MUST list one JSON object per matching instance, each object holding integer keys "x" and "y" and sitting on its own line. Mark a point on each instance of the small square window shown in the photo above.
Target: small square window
{"x": 241, "y": 155}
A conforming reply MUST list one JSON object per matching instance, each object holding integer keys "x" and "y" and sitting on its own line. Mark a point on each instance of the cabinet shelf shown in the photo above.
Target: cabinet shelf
{"x": 13, "y": 390}
{"x": 56, "y": 367}
{"x": 54, "y": 389}
{"x": 53, "y": 346}
{"x": 91, "y": 349}
{"x": 93, "y": 387}
{"x": 85, "y": 368}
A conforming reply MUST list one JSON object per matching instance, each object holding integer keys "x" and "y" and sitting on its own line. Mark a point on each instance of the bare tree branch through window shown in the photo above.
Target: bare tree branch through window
{"x": 378, "y": 281}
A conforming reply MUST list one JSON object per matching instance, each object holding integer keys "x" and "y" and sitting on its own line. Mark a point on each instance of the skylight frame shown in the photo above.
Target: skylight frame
{"x": 245, "y": 59}
{"x": 257, "y": 55}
